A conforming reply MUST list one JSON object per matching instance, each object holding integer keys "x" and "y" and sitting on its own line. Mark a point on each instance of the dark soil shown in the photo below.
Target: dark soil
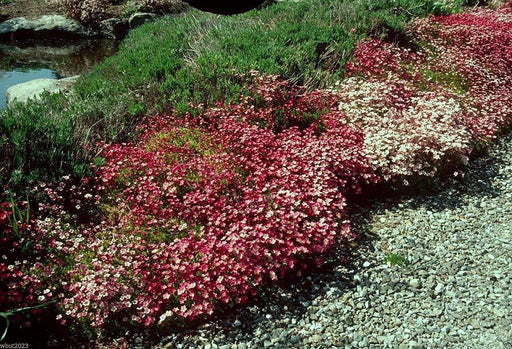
{"x": 24, "y": 8}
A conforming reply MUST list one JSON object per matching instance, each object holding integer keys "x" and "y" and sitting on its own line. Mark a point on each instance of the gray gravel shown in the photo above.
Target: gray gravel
{"x": 428, "y": 272}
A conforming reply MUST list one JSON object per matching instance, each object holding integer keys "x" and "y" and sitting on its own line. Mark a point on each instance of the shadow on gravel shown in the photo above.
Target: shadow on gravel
{"x": 477, "y": 181}
{"x": 290, "y": 298}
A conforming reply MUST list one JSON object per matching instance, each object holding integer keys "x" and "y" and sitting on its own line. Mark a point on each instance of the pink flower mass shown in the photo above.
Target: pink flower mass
{"x": 201, "y": 211}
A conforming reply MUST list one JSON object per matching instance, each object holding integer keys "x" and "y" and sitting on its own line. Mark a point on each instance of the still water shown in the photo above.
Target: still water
{"x": 22, "y": 61}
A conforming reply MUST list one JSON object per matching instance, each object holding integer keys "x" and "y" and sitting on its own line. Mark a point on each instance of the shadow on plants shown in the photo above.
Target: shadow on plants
{"x": 225, "y": 7}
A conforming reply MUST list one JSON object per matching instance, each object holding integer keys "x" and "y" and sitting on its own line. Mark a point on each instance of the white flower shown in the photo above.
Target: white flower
{"x": 165, "y": 316}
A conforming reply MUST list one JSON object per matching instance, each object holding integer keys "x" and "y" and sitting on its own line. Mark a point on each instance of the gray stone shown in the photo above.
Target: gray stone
{"x": 316, "y": 338}
{"x": 45, "y": 24}
{"x": 114, "y": 28}
{"x": 140, "y": 18}
{"x": 33, "y": 89}
{"x": 294, "y": 339}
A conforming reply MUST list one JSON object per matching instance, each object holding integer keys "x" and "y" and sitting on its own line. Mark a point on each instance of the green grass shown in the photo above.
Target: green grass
{"x": 193, "y": 57}
{"x": 395, "y": 259}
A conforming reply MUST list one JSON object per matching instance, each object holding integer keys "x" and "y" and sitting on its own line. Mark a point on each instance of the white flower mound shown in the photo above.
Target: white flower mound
{"x": 405, "y": 134}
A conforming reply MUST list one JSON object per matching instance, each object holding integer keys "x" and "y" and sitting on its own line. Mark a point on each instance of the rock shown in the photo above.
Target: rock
{"x": 140, "y": 18}
{"x": 317, "y": 339}
{"x": 57, "y": 24}
{"x": 439, "y": 289}
{"x": 414, "y": 283}
{"x": 32, "y": 89}
{"x": 114, "y": 28}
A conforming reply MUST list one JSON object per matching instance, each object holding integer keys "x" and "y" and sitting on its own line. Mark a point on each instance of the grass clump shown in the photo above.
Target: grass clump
{"x": 395, "y": 259}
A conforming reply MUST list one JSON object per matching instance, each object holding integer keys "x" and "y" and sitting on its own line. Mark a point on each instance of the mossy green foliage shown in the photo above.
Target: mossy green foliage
{"x": 448, "y": 79}
{"x": 193, "y": 57}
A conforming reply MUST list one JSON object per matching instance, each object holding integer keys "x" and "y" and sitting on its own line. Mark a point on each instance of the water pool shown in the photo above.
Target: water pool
{"x": 22, "y": 61}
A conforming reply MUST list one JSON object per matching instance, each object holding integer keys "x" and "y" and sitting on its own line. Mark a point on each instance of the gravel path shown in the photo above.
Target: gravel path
{"x": 429, "y": 272}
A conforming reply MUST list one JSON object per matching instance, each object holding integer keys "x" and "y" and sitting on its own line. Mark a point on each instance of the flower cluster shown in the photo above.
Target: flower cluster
{"x": 477, "y": 47}
{"x": 86, "y": 11}
{"x": 10, "y": 273}
{"x": 38, "y": 243}
{"x": 427, "y": 109}
{"x": 202, "y": 211}
{"x": 24, "y": 271}
{"x": 407, "y": 132}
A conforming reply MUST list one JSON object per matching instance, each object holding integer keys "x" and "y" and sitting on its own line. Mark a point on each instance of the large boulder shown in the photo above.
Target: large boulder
{"x": 44, "y": 26}
{"x": 33, "y": 89}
